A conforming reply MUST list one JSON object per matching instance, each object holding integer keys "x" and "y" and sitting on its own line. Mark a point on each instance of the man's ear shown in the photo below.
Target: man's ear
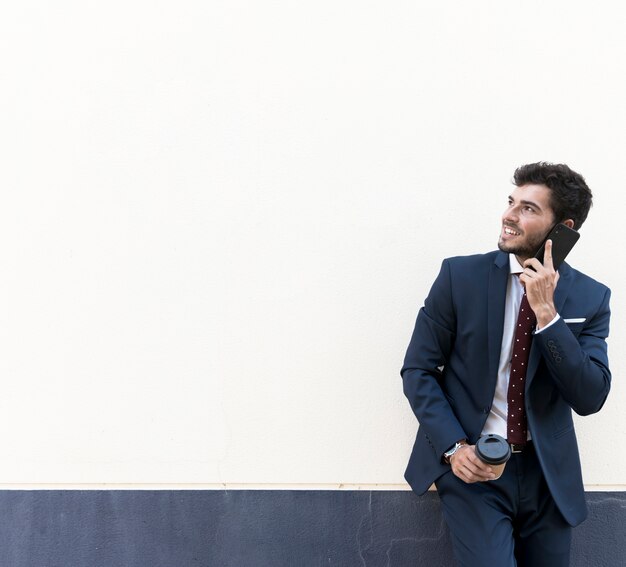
{"x": 569, "y": 223}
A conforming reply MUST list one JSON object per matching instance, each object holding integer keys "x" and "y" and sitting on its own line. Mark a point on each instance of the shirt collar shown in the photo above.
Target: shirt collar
{"x": 514, "y": 266}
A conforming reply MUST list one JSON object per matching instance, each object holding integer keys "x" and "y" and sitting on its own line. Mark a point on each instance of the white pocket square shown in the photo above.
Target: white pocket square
{"x": 578, "y": 320}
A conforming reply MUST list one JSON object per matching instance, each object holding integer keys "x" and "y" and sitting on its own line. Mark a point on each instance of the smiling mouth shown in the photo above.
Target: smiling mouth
{"x": 508, "y": 230}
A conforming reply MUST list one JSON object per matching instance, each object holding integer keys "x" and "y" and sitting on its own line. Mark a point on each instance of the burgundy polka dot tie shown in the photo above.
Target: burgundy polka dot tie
{"x": 516, "y": 426}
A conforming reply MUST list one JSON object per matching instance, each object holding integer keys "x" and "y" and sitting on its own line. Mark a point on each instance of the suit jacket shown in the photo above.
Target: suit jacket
{"x": 450, "y": 370}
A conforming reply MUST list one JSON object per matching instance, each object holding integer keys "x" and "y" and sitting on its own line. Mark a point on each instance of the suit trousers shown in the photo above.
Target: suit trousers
{"x": 508, "y": 522}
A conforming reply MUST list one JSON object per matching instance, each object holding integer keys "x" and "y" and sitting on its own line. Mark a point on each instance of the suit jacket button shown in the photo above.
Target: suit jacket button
{"x": 550, "y": 343}
{"x": 557, "y": 359}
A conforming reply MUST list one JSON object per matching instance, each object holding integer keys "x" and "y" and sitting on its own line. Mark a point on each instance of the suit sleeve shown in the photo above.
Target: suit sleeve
{"x": 579, "y": 365}
{"x": 429, "y": 351}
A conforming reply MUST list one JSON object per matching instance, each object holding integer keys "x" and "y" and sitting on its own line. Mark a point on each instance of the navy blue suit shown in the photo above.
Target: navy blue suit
{"x": 450, "y": 371}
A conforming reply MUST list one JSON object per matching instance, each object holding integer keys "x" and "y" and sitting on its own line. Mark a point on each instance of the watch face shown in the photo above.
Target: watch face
{"x": 451, "y": 452}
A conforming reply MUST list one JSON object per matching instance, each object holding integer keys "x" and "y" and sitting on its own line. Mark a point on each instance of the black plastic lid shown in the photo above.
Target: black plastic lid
{"x": 493, "y": 449}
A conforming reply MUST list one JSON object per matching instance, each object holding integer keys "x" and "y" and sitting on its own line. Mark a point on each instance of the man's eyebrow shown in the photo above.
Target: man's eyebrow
{"x": 524, "y": 202}
{"x": 531, "y": 203}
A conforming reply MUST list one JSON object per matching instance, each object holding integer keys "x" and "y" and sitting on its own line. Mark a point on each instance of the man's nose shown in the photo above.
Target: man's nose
{"x": 511, "y": 215}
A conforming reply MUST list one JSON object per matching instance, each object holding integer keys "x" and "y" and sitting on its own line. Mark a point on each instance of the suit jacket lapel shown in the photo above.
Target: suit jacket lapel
{"x": 498, "y": 278}
{"x": 560, "y": 295}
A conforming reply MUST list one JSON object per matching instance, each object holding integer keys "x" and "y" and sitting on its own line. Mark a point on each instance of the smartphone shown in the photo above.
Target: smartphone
{"x": 563, "y": 240}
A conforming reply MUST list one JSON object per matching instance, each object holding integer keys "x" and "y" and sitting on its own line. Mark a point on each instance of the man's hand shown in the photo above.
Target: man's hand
{"x": 540, "y": 282}
{"x": 468, "y": 467}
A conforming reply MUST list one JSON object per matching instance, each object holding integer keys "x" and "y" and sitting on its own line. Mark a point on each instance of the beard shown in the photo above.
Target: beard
{"x": 526, "y": 248}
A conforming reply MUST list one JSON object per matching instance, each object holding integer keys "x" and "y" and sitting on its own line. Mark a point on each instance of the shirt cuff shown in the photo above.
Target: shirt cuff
{"x": 556, "y": 318}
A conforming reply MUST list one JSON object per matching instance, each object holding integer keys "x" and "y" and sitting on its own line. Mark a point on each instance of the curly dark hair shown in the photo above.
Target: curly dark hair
{"x": 570, "y": 197}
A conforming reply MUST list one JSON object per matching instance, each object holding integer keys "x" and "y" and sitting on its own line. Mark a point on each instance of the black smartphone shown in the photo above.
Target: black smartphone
{"x": 563, "y": 240}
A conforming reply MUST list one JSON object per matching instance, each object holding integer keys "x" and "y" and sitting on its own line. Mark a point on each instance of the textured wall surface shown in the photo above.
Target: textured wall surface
{"x": 221, "y": 218}
{"x": 256, "y": 529}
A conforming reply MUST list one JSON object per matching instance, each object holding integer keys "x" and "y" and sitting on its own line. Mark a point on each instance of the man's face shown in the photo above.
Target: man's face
{"x": 526, "y": 221}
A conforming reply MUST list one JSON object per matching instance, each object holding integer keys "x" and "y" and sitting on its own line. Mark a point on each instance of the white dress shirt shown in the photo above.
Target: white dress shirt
{"x": 496, "y": 421}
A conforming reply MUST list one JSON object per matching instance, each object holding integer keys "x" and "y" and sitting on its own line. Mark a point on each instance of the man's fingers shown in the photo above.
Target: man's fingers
{"x": 547, "y": 256}
{"x": 469, "y": 468}
{"x": 527, "y": 276}
{"x": 480, "y": 473}
{"x": 477, "y": 464}
{"x": 532, "y": 265}
{"x": 467, "y": 474}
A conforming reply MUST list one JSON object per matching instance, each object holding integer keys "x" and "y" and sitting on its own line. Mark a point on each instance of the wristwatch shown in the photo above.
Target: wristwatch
{"x": 448, "y": 454}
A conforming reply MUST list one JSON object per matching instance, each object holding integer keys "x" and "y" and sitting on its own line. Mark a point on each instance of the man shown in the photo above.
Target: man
{"x": 456, "y": 377}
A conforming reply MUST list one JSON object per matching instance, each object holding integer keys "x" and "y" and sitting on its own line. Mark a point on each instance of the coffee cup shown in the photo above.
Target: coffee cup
{"x": 494, "y": 451}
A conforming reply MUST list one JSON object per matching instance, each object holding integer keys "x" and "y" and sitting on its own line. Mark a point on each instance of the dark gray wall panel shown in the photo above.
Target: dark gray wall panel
{"x": 256, "y": 529}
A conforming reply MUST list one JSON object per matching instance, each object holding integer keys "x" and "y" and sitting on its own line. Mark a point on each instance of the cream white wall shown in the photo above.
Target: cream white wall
{"x": 219, "y": 220}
